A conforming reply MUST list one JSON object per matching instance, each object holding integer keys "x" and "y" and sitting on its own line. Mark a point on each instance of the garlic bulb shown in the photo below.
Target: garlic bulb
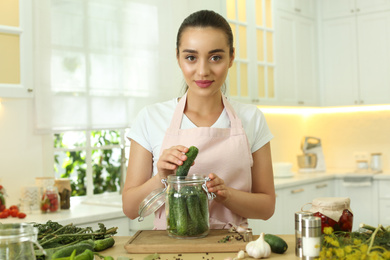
{"x": 259, "y": 248}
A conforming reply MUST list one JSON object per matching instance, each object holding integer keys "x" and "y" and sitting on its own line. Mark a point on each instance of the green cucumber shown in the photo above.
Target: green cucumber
{"x": 68, "y": 250}
{"x": 277, "y": 244}
{"x": 198, "y": 223}
{"x": 183, "y": 169}
{"x": 172, "y": 211}
{"x": 102, "y": 244}
{"x": 182, "y": 216}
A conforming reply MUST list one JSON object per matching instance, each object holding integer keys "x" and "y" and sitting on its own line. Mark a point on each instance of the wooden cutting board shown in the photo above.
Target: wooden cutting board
{"x": 158, "y": 241}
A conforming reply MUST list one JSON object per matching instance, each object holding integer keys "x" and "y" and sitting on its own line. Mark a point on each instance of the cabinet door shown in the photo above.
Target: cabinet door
{"x": 337, "y": 8}
{"x": 296, "y": 79}
{"x": 299, "y": 7}
{"x": 285, "y": 58}
{"x": 368, "y": 6}
{"x": 306, "y": 62}
{"x": 340, "y": 63}
{"x": 374, "y": 58}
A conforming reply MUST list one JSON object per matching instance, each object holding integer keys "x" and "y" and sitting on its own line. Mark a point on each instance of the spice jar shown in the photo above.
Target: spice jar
{"x": 298, "y": 230}
{"x": 311, "y": 237}
{"x": 50, "y": 200}
{"x": 64, "y": 190}
{"x": 17, "y": 241}
{"x": 186, "y": 206}
{"x": 334, "y": 212}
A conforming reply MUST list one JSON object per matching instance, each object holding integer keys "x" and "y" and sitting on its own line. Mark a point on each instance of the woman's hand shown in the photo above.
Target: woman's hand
{"x": 218, "y": 187}
{"x": 170, "y": 159}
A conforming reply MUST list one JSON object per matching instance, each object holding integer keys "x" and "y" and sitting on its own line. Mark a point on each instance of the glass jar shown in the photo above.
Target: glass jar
{"x": 17, "y": 241}
{"x": 187, "y": 207}
{"x": 334, "y": 212}
{"x": 64, "y": 190}
{"x": 50, "y": 201}
{"x": 3, "y": 205}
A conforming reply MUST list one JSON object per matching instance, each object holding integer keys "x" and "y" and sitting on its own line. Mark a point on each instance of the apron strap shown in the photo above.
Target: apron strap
{"x": 235, "y": 122}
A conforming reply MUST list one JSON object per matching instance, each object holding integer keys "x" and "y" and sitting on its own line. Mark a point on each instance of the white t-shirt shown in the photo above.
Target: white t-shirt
{"x": 152, "y": 122}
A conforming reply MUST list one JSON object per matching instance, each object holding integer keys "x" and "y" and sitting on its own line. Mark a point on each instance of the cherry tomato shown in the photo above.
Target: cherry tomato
{"x": 21, "y": 215}
{"x": 14, "y": 207}
{"x": 14, "y": 212}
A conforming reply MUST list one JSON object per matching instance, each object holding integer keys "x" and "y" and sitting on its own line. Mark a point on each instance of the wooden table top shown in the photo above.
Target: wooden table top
{"x": 119, "y": 250}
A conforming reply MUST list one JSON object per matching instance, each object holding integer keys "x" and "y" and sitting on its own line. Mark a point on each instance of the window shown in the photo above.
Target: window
{"x": 91, "y": 159}
{"x": 251, "y": 77}
{"x": 97, "y": 63}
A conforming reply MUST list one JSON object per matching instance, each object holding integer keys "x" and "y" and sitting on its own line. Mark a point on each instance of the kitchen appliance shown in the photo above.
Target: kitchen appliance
{"x": 312, "y": 159}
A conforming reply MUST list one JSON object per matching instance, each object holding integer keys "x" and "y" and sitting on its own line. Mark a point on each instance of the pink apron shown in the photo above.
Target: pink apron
{"x": 223, "y": 151}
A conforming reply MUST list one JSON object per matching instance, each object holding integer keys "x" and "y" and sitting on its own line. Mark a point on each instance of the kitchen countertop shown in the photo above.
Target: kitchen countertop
{"x": 120, "y": 241}
{"x": 80, "y": 212}
{"x": 105, "y": 207}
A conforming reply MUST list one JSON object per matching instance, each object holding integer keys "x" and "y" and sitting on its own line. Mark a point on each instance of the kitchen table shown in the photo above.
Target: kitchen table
{"x": 120, "y": 241}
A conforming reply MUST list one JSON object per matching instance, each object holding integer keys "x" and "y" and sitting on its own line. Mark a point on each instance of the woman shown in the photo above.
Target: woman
{"x": 240, "y": 170}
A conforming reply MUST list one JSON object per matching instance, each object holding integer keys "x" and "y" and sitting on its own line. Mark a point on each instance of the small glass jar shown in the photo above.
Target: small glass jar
{"x": 17, "y": 241}
{"x": 64, "y": 190}
{"x": 334, "y": 212}
{"x": 187, "y": 207}
{"x": 50, "y": 201}
{"x": 3, "y": 205}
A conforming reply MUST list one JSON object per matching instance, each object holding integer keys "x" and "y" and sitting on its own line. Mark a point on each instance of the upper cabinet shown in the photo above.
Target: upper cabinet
{"x": 296, "y": 53}
{"x": 304, "y": 8}
{"x": 356, "y": 56}
{"x": 15, "y": 49}
{"x": 341, "y": 8}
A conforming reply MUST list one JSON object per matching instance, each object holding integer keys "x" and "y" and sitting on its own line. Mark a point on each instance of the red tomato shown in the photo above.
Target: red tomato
{"x": 14, "y": 212}
{"x": 21, "y": 215}
{"x": 3, "y": 215}
{"x": 14, "y": 207}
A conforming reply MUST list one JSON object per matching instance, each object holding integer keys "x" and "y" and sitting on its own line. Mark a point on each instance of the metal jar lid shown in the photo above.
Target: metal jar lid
{"x": 311, "y": 222}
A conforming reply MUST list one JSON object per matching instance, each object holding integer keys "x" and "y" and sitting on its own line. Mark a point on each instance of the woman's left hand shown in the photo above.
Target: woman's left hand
{"x": 218, "y": 187}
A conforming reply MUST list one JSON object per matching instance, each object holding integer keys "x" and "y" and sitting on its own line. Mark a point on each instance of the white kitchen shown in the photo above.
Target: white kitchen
{"x": 314, "y": 68}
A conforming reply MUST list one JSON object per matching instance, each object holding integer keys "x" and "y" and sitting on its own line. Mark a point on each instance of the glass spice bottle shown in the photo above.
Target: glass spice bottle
{"x": 50, "y": 200}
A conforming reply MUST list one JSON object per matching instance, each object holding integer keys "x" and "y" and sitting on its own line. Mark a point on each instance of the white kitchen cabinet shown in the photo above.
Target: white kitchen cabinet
{"x": 288, "y": 201}
{"x": 296, "y": 59}
{"x": 384, "y": 202}
{"x": 341, "y": 8}
{"x": 298, "y": 7}
{"x": 364, "y": 199}
{"x": 356, "y": 60}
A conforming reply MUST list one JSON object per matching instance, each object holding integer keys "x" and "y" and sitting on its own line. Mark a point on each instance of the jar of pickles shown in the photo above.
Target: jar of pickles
{"x": 186, "y": 201}
{"x": 334, "y": 212}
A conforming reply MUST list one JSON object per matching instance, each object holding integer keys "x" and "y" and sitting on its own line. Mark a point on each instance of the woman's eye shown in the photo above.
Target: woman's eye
{"x": 190, "y": 58}
{"x": 215, "y": 58}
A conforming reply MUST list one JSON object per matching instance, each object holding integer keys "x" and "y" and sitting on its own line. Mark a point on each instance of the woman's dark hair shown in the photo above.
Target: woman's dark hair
{"x": 206, "y": 18}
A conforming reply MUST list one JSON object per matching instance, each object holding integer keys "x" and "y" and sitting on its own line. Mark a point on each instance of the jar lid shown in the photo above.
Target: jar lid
{"x": 311, "y": 222}
{"x": 334, "y": 203}
{"x": 300, "y": 214}
{"x": 151, "y": 203}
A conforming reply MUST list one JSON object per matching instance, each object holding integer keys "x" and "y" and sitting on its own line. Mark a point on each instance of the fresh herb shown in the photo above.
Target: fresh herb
{"x": 367, "y": 243}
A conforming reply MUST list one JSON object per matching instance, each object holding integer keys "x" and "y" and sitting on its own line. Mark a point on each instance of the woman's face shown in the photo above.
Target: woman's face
{"x": 204, "y": 58}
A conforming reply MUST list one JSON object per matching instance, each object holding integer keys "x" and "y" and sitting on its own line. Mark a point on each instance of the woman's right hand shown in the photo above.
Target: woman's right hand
{"x": 170, "y": 159}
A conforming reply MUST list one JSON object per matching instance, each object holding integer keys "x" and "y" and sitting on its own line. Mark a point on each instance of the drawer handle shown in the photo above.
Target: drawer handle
{"x": 297, "y": 190}
{"x": 320, "y": 186}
